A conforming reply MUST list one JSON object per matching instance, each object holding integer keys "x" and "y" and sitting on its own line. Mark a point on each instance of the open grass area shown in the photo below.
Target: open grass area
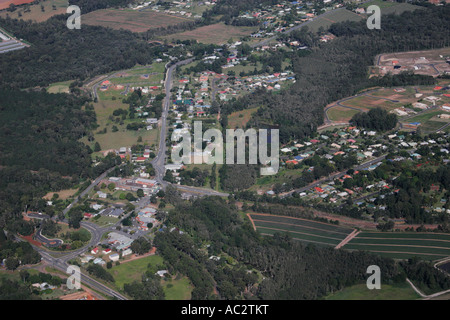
{"x": 380, "y": 3}
{"x": 429, "y": 246}
{"x": 341, "y": 113}
{"x": 34, "y": 11}
{"x": 128, "y": 272}
{"x": 63, "y": 194}
{"x": 387, "y": 292}
{"x": 218, "y": 33}
{"x": 180, "y": 289}
{"x": 328, "y": 20}
{"x": 104, "y": 221}
{"x": 59, "y": 87}
{"x": 133, "y": 20}
{"x": 308, "y": 231}
{"x": 239, "y": 119}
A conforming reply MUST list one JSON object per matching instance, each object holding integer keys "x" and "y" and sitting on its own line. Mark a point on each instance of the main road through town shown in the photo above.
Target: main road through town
{"x": 160, "y": 160}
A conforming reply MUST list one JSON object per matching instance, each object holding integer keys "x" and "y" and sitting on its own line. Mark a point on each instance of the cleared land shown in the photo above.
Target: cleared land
{"x": 34, "y": 11}
{"x": 427, "y": 62}
{"x": 218, "y": 33}
{"x": 131, "y": 19}
{"x": 63, "y": 194}
{"x": 338, "y": 16}
{"x": 6, "y": 3}
{"x": 308, "y": 231}
{"x": 341, "y": 114}
{"x": 239, "y": 119}
{"x": 127, "y": 272}
{"x": 429, "y": 246}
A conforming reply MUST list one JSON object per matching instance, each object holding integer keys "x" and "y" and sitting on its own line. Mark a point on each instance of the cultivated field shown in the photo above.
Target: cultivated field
{"x": 131, "y": 19}
{"x": 218, "y": 33}
{"x": 341, "y": 114}
{"x": 393, "y": 98}
{"x": 429, "y": 246}
{"x": 34, "y": 11}
{"x": 308, "y": 231}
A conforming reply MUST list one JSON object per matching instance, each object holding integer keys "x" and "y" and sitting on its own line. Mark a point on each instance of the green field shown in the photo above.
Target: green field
{"x": 387, "y": 292}
{"x": 59, "y": 87}
{"x": 128, "y": 272}
{"x": 340, "y": 114}
{"x": 34, "y": 11}
{"x": 429, "y": 246}
{"x": 177, "y": 289}
{"x": 301, "y": 229}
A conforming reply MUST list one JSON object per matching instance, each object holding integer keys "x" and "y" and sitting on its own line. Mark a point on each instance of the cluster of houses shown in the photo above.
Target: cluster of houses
{"x": 287, "y": 14}
{"x": 351, "y": 139}
{"x": 186, "y": 9}
{"x": 117, "y": 243}
{"x": 145, "y": 217}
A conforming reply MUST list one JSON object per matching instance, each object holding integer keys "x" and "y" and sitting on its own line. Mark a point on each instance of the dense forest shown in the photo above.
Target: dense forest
{"x": 339, "y": 69}
{"x": 377, "y": 119}
{"x": 59, "y": 54}
{"x": 41, "y": 151}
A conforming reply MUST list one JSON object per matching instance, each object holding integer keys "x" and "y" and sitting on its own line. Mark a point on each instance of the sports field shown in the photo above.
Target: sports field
{"x": 404, "y": 245}
{"x": 308, "y": 231}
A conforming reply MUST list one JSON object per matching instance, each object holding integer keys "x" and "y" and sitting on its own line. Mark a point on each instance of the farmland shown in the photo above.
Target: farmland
{"x": 308, "y": 231}
{"x": 395, "y": 98}
{"x": 427, "y": 62}
{"x": 34, "y": 11}
{"x": 218, "y": 33}
{"x": 429, "y": 246}
{"x": 6, "y": 3}
{"x": 338, "y": 16}
{"x": 135, "y": 21}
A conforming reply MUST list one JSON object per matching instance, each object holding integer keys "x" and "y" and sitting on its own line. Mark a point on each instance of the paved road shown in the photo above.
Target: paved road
{"x": 159, "y": 161}
{"x": 88, "y": 189}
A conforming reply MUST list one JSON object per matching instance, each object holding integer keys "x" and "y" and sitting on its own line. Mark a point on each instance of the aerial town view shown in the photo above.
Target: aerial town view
{"x": 247, "y": 151}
